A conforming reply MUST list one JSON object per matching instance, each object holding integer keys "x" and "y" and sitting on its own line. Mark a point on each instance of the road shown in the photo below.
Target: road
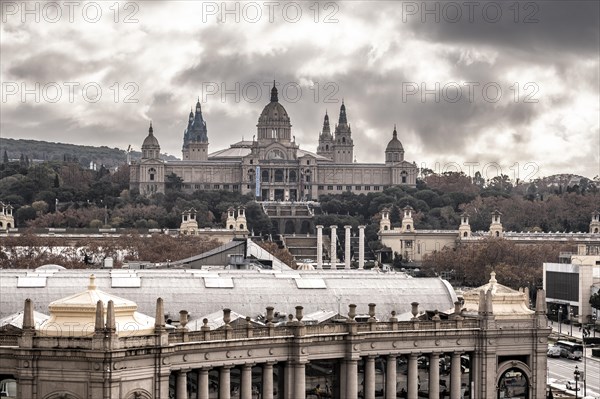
{"x": 560, "y": 370}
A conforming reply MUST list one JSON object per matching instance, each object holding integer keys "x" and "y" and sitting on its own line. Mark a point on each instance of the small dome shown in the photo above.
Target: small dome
{"x": 394, "y": 145}
{"x": 150, "y": 141}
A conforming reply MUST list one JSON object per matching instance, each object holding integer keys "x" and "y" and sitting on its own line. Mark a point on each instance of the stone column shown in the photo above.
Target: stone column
{"x": 413, "y": 376}
{"x": 246, "y": 388}
{"x": 390, "y": 378}
{"x": 347, "y": 255}
{"x": 333, "y": 246}
{"x": 455, "y": 376}
{"x": 299, "y": 381}
{"x": 434, "y": 375}
{"x": 181, "y": 385}
{"x": 343, "y": 379}
{"x": 351, "y": 379}
{"x": 225, "y": 382}
{"x": 361, "y": 247}
{"x": 267, "y": 381}
{"x": 369, "y": 387}
{"x": 319, "y": 247}
{"x": 203, "y": 384}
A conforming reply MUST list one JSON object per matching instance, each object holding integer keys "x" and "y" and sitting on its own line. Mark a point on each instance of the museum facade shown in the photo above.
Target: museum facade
{"x": 272, "y": 166}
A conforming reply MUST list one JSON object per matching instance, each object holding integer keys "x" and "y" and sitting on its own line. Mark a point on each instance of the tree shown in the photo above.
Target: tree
{"x": 56, "y": 181}
{"x": 5, "y": 157}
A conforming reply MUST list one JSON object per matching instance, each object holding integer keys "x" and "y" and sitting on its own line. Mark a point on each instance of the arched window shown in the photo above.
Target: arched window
{"x": 497, "y": 234}
{"x": 385, "y": 227}
{"x": 241, "y": 226}
{"x": 265, "y": 176}
{"x": 326, "y": 147}
{"x": 465, "y": 234}
{"x": 230, "y": 227}
{"x": 292, "y": 176}
{"x": 404, "y": 176}
{"x": 279, "y": 175}
{"x": 151, "y": 173}
{"x": 596, "y": 230}
{"x": 344, "y": 140}
{"x": 408, "y": 227}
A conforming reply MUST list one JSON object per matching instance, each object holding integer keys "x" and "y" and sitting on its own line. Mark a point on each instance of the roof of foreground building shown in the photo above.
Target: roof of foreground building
{"x": 246, "y": 292}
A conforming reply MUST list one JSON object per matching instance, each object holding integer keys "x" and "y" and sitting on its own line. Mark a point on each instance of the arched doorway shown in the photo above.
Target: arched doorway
{"x": 290, "y": 227}
{"x": 513, "y": 383}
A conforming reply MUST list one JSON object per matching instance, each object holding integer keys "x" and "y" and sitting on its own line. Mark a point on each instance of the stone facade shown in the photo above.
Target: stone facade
{"x": 7, "y": 220}
{"x": 272, "y": 166}
{"x": 493, "y": 331}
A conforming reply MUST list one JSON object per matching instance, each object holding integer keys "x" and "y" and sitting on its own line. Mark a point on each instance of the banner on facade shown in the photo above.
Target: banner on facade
{"x": 257, "y": 178}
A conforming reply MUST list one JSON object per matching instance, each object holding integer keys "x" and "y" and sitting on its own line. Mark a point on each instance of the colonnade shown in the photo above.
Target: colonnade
{"x": 333, "y": 249}
{"x": 294, "y": 379}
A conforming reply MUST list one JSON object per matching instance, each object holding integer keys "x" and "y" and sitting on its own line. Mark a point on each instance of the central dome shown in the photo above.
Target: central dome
{"x": 274, "y": 122}
{"x": 274, "y": 112}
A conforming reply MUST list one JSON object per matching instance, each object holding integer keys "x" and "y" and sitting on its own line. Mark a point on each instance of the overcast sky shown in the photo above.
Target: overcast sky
{"x": 476, "y": 85}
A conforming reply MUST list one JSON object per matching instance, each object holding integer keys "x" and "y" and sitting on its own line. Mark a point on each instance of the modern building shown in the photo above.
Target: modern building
{"x": 272, "y": 166}
{"x": 571, "y": 282}
{"x": 96, "y": 344}
{"x": 413, "y": 244}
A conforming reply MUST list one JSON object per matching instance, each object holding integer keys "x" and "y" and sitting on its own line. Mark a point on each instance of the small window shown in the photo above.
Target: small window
{"x": 330, "y": 188}
{"x": 226, "y": 187}
{"x": 216, "y": 187}
{"x": 465, "y": 234}
{"x": 321, "y": 187}
{"x": 376, "y": 188}
{"x": 236, "y": 187}
{"x": 348, "y": 188}
{"x": 367, "y": 188}
{"x": 408, "y": 227}
{"x": 358, "y": 188}
{"x": 308, "y": 161}
{"x": 340, "y": 188}
{"x": 497, "y": 234}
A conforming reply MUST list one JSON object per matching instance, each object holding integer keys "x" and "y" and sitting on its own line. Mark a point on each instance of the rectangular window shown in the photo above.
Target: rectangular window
{"x": 367, "y": 188}
{"x": 376, "y": 188}
{"x": 340, "y": 188}
{"x": 348, "y": 188}
{"x": 207, "y": 186}
{"x": 216, "y": 186}
{"x": 236, "y": 187}
{"x": 225, "y": 186}
{"x": 330, "y": 188}
{"x": 321, "y": 187}
{"x": 358, "y": 188}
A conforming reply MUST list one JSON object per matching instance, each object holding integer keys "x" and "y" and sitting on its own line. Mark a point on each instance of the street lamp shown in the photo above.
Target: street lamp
{"x": 571, "y": 321}
{"x": 576, "y": 374}
{"x": 559, "y": 321}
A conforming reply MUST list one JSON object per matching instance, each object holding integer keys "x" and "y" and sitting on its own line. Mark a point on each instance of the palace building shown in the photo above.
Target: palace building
{"x": 272, "y": 166}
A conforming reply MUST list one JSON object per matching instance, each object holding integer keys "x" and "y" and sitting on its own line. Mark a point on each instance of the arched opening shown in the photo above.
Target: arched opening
{"x": 408, "y": 227}
{"x": 8, "y": 225}
{"x": 465, "y": 234}
{"x": 230, "y": 227}
{"x": 497, "y": 234}
{"x": 8, "y": 387}
{"x": 292, "y": 176}
{"x": 290, "y": 227}
{"x": 344, "y": 140}
{"x": 242, "y": 226}
{"x": 326, "y": 147}
{"x": 305, "y": 228}
{"x": 1, "y": 225}
{"x": 596, "y": 230}
{"x": 385, "y": 227}
{"x": 279, "y": 175}
{"x": 513, "y": 383}
{"x": 151, "y": 173}
{"x": 403, "y": 175}
{"x": 265, "y": 176}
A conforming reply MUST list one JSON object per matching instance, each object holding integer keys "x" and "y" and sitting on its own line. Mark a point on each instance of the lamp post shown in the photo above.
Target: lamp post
{"x": 576, "y": 374}
{"x": 559, "y": 321}
{"x": 571, "y": 321}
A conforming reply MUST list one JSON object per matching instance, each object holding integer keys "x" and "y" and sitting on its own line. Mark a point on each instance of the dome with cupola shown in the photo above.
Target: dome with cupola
{"x": 274, "y": 122}
{"x": 394, "y": 151}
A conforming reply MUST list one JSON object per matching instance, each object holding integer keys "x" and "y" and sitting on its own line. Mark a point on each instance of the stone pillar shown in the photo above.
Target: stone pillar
{"x": 333, "y": 246}
{"x": 319, "y": 247}
{"x": 413, "y": 376}
{"x": 181, "y": 385}
{"x": 203, "y": 384}
{"x": 369, "y": 387}
{"x": 267, "y": 381}
{"x": 299, "y": 381}
{"x": 390, "y": 378}
{"x": 225, "y": 382}
{"x": 361, "y": 247}
{"x": 343, "y": 379}
{"x": 455, "y": 376}
{"x": 434, "y": 375}
{"x": 246, "y": 387}
{"x": 347, "y": 255}
{"x": 351, "y": 379}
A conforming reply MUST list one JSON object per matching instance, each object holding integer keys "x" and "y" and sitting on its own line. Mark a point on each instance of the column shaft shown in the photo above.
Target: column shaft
{"x": 181, "y": 386}
{"x": 319, "y": 247}
{"x": 455, "y": 376}
{"x": 390, "y": 378}
{"x": 333, "y": 249}
{"x": 434, "y": 375}
{"x": 351, "y": 379}
{"x": 361, "y": 247}
{"x": 203, "y": 387}
{"x": 246, "y": 382}
{"x": 369, "y": 386}
{"x": 347, "y": 255}
{"x": 413, "y": 376}
{"x": 299, "y": 381}
{"x": 224, "y": 383}
{"x": 267, "y": 378}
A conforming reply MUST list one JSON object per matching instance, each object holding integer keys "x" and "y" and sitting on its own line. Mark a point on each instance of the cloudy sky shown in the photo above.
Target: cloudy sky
{"x": 510, "y": 86}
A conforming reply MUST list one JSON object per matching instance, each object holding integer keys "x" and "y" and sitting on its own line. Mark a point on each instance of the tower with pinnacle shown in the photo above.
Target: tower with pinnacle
{"x": 195, "y": 137}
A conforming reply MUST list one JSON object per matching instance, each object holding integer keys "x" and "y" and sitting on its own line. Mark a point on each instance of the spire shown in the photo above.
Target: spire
{"x": 395, "y": 132}
{"x": 150, "y": 130}
{"x": 326, "y": 129}
{"x": 198, "y": 105}
{"x": 191, "y": 114}
{"x": 274, "y": 98}
{"x": 343, "y": 120}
